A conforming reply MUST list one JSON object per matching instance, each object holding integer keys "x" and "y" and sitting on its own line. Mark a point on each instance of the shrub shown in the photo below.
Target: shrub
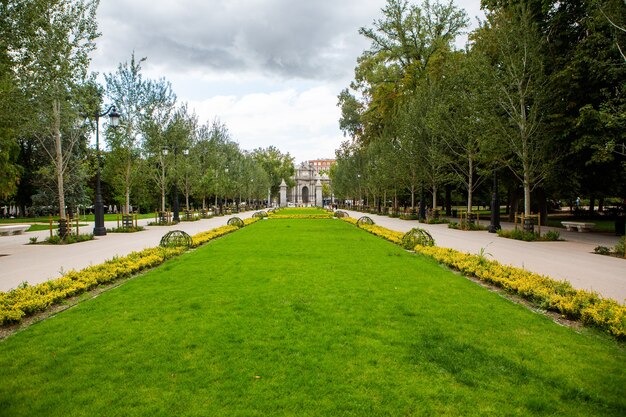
{"x": 69, "y": 239}
{"x": 132, "y": 229}
{"x": 417, "y": 237}
{"x": 439, "y": 220}
{"x": 621, "y": 246}
{"x": 465, "y": 226}
{"x": 602, "y": 250}
{"x": 519, "y": 234}
{"x": 551, "y": 236}
{"x": 364, "y": 220}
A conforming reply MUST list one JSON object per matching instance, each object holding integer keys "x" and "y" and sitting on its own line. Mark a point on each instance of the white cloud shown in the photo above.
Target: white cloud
{"x": 301, "y": 123}
{"x": 270, "y": 69}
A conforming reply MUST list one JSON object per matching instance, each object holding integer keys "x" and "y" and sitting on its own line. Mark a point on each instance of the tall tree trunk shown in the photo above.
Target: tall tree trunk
{"x": 127, "y": 203}
{"x": 56, "y": 110}
{"x": 127, "y": 193}
{"x": 448, "y": 200}
{"x": 434, "y": 197}
{"x": 526, "y": 193}
{"x": 514, "y": 203}
{"x": 543, "y": 206}
{"x": 470, "y": 185}
{"x": 592, "y": 204}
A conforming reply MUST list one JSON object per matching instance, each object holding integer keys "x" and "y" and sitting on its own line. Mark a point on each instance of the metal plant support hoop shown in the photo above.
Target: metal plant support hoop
{"x": 235, "y": 221}
{"x": 417, "y": 236}
{"x": 176, "y": 238}
{"x": 364, "y": 220}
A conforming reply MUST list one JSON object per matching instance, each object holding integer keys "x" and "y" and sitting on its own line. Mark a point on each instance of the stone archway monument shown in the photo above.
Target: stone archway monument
{"x": 319, "y": 201}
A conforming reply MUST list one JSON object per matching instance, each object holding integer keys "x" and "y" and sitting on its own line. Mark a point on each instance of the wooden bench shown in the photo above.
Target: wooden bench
{"x": 580, "y": 226}
{"x": 13, "y": 229}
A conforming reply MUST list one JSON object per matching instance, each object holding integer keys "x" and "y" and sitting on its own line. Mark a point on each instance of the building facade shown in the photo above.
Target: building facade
{"x": 308, "y": 184}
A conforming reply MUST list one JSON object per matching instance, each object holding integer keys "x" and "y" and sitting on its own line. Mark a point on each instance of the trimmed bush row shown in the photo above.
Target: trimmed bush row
{"x": 25, "y": 301}
{"x": 585, "y": 306}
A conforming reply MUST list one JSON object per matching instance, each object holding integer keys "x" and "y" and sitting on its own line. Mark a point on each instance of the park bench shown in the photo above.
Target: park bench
{"x": 580, "y": 226}
{"x": 13, "y": 229}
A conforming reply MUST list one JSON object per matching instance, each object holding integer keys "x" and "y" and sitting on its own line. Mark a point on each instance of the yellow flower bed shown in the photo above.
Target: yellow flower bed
{"x": 586, "y": 306}
{"x": 302, "y": 216}
{"x": 21, "y": 302}
{"x": 560, "y": 296}
{"x": 250, "y": 220}
{"x": 203, "y": 237}
{"x": 390, "y": 235}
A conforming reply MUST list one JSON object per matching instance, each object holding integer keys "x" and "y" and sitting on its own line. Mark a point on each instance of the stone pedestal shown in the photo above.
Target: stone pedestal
{"x": 283, "y": 194}
{"x": 319, "y": 202}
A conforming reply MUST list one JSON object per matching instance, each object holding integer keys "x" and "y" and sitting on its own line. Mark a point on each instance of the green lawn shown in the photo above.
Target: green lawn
{"x": 82, "y": 217}
{"x": 306, "y": 317}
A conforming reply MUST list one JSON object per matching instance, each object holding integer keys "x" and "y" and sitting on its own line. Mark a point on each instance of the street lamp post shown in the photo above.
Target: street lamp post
{"x": 494, "y": 226}
{"x": 99, "y": 229}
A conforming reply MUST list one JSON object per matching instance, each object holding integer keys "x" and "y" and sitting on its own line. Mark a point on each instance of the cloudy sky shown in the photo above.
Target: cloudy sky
{"x": 270, "y": 69}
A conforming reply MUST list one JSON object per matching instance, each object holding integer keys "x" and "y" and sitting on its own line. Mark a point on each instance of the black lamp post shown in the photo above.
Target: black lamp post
{"x": 99, "y": 229}
{"x": 494, "y": 226}
{"x": 175, "y": 215}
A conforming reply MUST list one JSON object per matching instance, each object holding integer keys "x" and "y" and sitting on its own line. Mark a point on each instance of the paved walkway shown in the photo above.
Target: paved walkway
{"x": 20, "y": 261}
{"x": 572, "y": 260}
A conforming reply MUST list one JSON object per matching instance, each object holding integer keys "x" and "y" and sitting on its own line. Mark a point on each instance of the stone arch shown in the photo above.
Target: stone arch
{"x": 305, "y": 195}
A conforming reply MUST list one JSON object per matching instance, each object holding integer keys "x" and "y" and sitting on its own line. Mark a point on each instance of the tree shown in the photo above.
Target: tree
{"x": 512, "y": 43}
{"x": 156, "y": 126}
{"x": 458, "y": 116}
{"x": 52, "y": 60}
{"x": 136, "y": 99}
{"x": 277, "y": 165}
{"x": 10, "y": 108}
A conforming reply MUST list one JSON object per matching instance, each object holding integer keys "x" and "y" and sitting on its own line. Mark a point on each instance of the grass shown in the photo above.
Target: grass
{"x": 306, "y": 317}
{"x": 39, "y": 227}
{"x": 82, "y": 217}
{"x": 302, "y": 211}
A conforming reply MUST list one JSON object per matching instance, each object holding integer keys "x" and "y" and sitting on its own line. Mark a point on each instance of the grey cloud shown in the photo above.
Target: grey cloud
{"x": 298, "y": 39}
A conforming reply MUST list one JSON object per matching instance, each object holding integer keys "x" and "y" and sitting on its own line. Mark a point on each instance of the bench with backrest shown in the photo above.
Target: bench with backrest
{"x": 13, "y": 229}
{"x": 580, "y": 226}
